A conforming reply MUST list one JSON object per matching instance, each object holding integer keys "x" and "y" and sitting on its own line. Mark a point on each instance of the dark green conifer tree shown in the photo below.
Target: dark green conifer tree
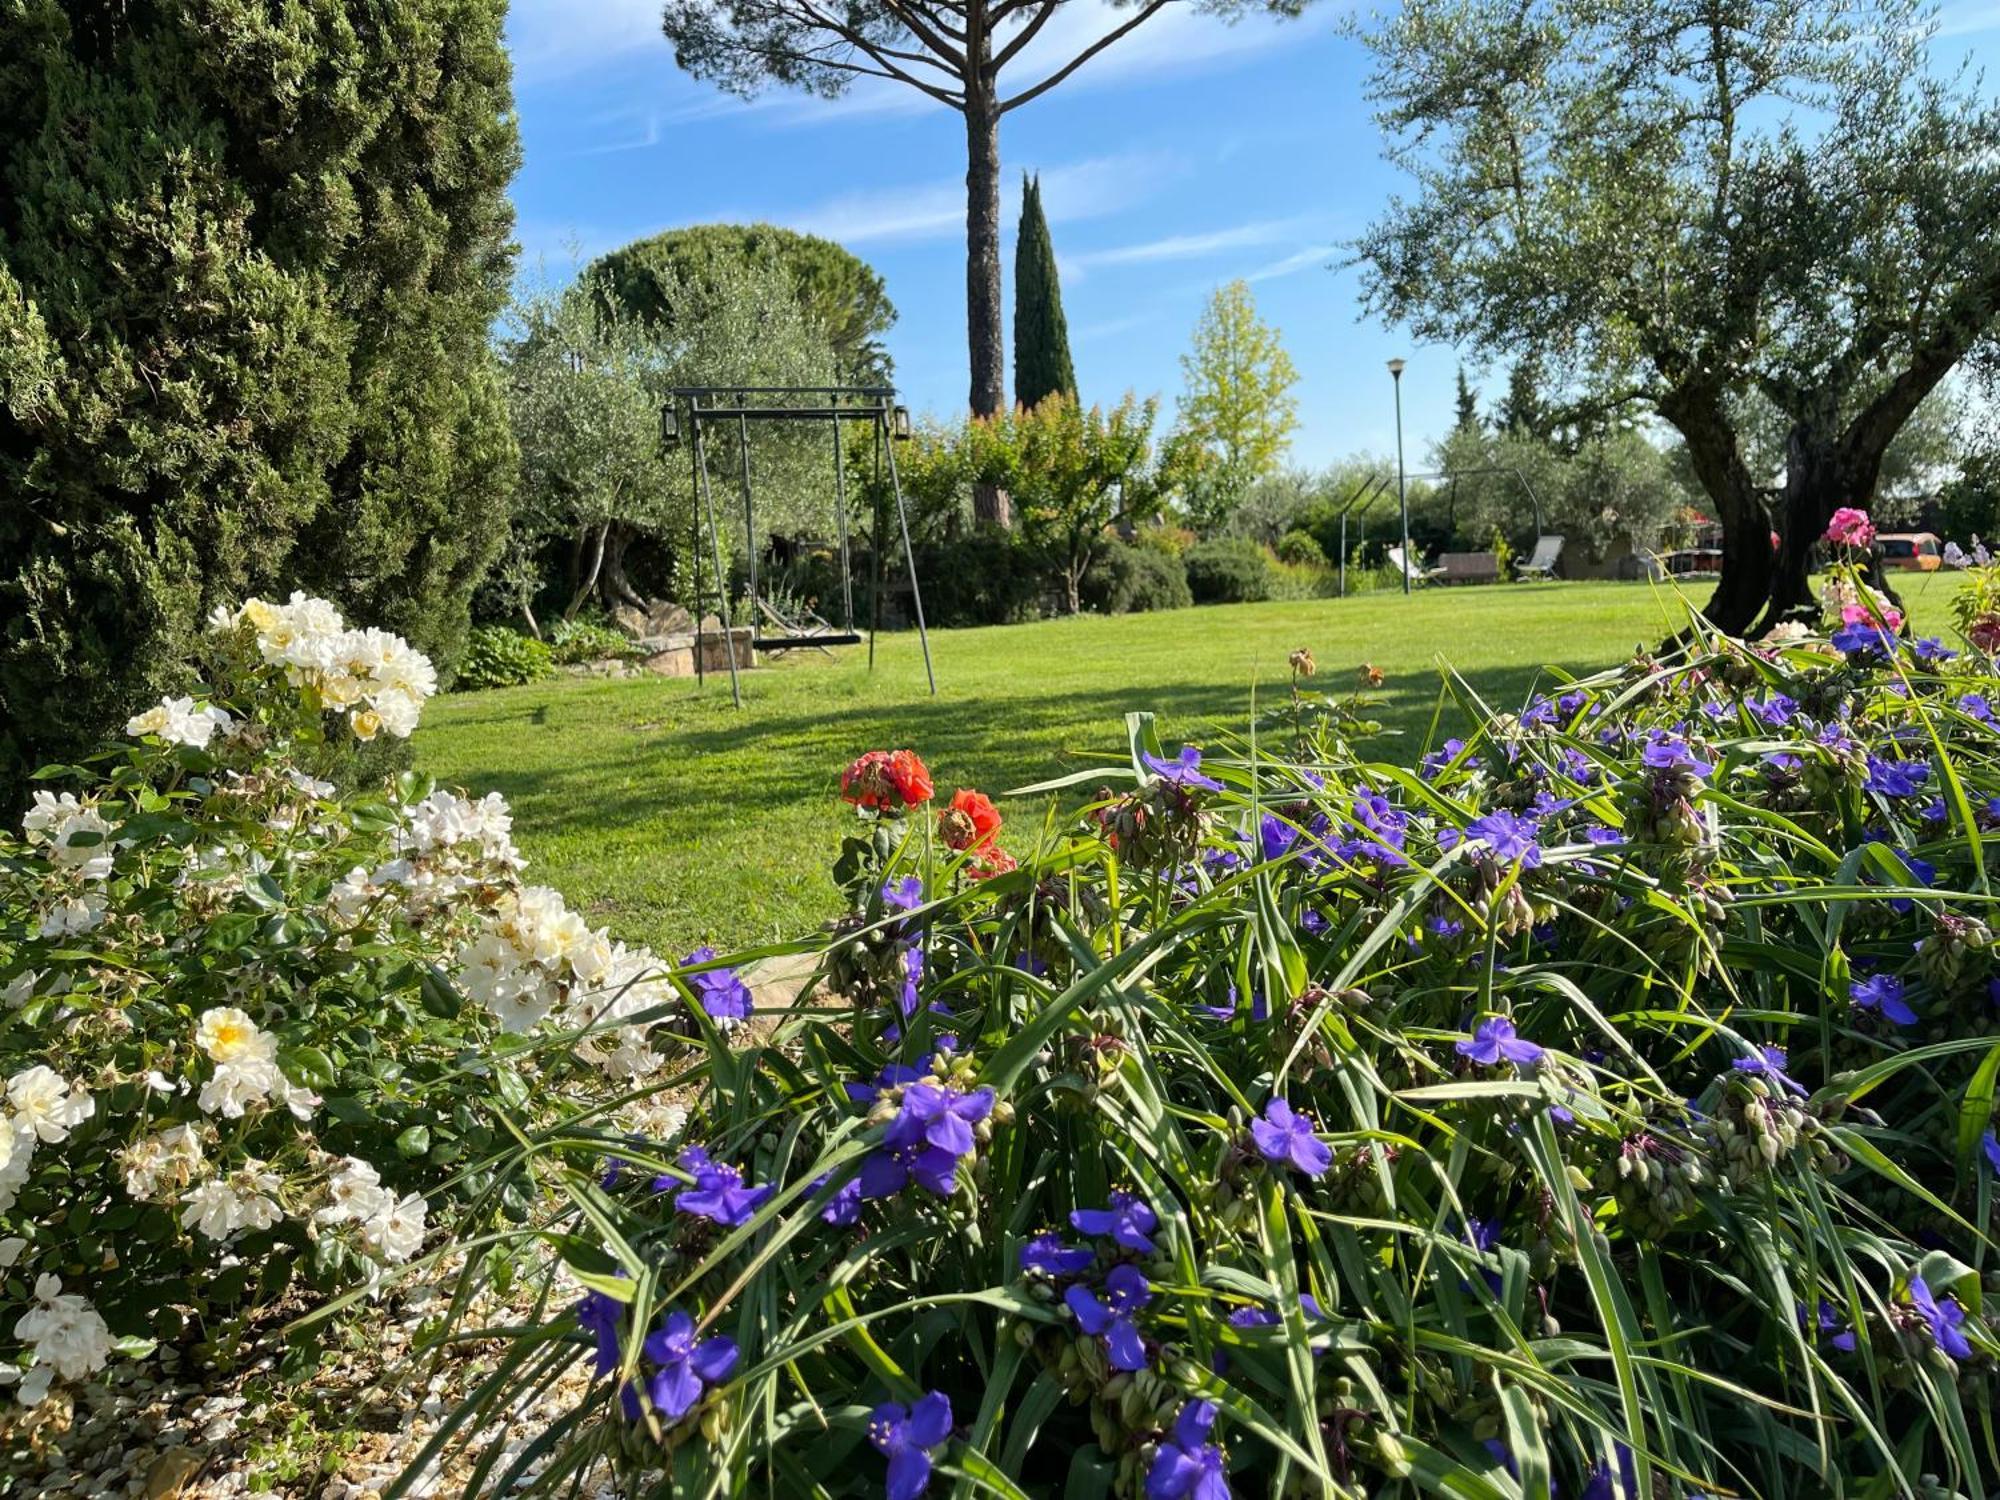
{"x": 1042, "y": 364}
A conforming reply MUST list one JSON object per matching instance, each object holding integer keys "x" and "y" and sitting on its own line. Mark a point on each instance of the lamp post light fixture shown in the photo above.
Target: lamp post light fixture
{"x": 899, "y": 424}
{"x": 670, "y": 426}
{"x": 1396, "y": 367}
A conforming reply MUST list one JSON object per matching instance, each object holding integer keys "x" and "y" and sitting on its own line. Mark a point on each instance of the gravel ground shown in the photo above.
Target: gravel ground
{"x": 161, "y": 1429}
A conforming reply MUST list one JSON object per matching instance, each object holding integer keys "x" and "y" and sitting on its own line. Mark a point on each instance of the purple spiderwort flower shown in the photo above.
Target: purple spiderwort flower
{"x": 887, "y": 1172}
{"x": 1944, "y": 1316}
{"x": 1841, "y": 1337}
{"x": 1864, "y": 638}
{"x": 939, "y": 1117}
{"x": 1777, "y": 711}
{"x": 1183, "y": 771}
{"x": 717, "y": 1192}
{"x": 1129, "y": 1222}
{"x": 907, "y": 1436}
{"x": 1493, "y": 1042}
{"x": 1895, "y": 778}
{"x": 1188, "y": 1466}
{"x": 602, "y": 1316}
{"x": 1285, "y": 1137}
{"x": 1990, "y": 1144}
{"x": 905, "y": 895}
{"x": 683, "y": 1368}
{"x": 1597, "y": 833}
{"x": 1768, "y": 1062}
{"x": 722, "y": 992}
{"x": 1048, "y": 1254}
{"x": 1930, "y": 648}
{"x": 1976, "y": 705}
{"x": 1671, "y": 752}
{"x": 1112, "y": 1319}
{"x": 1438, "y": 759}
{"x": 1598, "y": 1483}
{"x": 1882, "y": 993}
{"x": 1510, "y": 836}
{"x": 1277, "y": 837}
{"x": 844, "y": 1207}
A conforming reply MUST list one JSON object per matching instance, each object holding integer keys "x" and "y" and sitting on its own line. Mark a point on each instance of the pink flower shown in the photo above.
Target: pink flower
{"x": 1850, "y": 528}
{"x": 1859, "y": 614}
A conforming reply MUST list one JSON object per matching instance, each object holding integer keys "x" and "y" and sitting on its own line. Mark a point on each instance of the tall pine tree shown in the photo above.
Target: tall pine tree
{"x": 249, "y": 257}
{"x": 1042, "y": 364}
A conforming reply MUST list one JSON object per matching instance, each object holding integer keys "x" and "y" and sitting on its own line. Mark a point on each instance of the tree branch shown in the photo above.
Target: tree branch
{"x": 1152, "y": 8}
{"x": 1026, "y": 35}
{"x": 923, "y": 32}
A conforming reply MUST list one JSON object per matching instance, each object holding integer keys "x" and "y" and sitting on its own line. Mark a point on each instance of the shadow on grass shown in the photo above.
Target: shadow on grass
{"x": 719, "y": 765}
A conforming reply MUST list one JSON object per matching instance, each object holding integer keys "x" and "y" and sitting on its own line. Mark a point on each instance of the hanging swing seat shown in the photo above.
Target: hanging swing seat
{"x": 802, "y": 631}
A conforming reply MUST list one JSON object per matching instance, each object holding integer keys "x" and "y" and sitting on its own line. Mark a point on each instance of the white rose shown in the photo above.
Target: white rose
{"x": 47, "y": 1106}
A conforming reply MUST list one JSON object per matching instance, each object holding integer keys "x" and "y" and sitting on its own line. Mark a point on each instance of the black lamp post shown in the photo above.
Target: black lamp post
{"x": 1402, "y": 495}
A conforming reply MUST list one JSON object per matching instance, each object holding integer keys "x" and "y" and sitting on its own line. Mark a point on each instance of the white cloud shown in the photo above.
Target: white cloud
{"x": 936, "y": 210}
{"x": 553, "y": 40}
{"x": 557, "y": 38}
{"x": 1179, "y": 247}
{"x": 1313, "y": 257}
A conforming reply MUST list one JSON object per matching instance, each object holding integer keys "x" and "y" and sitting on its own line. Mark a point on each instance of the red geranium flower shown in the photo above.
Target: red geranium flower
{"x": 910, "y": 777}
{"x": 989, "y": 862}
{"x": 886, "y": 780}
{"x": 970, "y": 821}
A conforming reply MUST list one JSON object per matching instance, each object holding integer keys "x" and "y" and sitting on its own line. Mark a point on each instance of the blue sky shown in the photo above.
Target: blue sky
{"x": 1191, "y": 153}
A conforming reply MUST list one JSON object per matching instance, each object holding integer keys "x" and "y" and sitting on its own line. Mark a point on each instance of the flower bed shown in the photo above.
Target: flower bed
{"x": 1604, "y": 1105}
{"x": 255, "y": 1025}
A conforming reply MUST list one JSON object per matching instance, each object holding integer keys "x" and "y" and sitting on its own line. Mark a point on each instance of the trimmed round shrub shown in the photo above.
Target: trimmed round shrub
{"x": 498, "y": 657}
{"x": 1299, "y": 548}
{"x": 1132, "y": 580}
{"x": 1229, "y": 571}
{"x": 1607, "y": 1100}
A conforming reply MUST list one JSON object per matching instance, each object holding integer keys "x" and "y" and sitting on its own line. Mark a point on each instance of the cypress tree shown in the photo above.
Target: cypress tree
{"x": 1042, "y": 364}
{"x": 1467, "y": 419}
{"x": 249, "y": 255}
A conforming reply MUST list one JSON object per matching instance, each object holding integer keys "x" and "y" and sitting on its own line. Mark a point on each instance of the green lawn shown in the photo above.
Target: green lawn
{"x": 657, "y": 807}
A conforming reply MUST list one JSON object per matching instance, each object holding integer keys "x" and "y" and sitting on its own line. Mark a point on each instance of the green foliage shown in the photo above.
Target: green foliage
{"x": 1971, "y": 500}
{"x": 1071, "y": 473}
{"x": 648, "y": 281}
{"x": 573, "y": 641}
{"x": 987, "y": 576}
{"x": 239, "y": 1076}
{"x": 1229, "y": 571}
{"x": 248, "y": 261}
{"x": 586, "y": 387}
{"x": 1042, "y": 365}
{"x": 1691, "y": 205}
{"x": 1238, "y": 405}
{"x": 1300, "y": 547}
{"x": 1132, "y": 580}
{"x": 498, "y": 657}
{"x": 1349, "y": 1130}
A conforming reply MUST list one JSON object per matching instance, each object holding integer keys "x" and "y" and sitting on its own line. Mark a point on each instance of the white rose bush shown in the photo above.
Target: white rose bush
{"x": 254, "y": 1025}
{"x": 1603, "y": 1107}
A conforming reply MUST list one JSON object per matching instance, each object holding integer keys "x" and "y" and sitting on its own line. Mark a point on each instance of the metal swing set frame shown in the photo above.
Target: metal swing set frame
{"x": 833, "y": 404}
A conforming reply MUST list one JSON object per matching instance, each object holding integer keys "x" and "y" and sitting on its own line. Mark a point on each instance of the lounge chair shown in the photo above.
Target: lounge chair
{"x": 1415, "y": 572}
{"x": 1542, "y": 563}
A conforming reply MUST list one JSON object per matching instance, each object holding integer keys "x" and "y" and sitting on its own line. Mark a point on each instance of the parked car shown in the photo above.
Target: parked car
{"x": 1910, "y": 551}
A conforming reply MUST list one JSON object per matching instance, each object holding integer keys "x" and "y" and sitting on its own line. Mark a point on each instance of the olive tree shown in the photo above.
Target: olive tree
{"x": 1675, "y": 204}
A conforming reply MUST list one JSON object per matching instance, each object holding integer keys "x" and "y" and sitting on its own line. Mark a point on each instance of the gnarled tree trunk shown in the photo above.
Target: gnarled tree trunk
{"x": 1745, "y": 585}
